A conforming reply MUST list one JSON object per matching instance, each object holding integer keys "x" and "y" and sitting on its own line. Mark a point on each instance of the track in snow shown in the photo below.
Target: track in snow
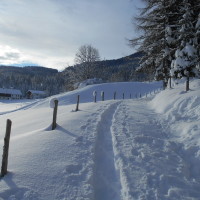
{"x": 107, "y": 184}
{"x": 152, "y": 167}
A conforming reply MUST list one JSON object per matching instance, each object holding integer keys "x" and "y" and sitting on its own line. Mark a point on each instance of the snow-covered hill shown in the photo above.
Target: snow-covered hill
{"x": 115, "y": 149}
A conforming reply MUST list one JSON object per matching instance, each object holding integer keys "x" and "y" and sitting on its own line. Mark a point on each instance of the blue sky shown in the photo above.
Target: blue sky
{"x": 49, "y": 32}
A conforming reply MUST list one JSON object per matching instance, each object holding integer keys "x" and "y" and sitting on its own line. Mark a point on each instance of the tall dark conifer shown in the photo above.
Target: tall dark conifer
{"x": 168, "y": 27}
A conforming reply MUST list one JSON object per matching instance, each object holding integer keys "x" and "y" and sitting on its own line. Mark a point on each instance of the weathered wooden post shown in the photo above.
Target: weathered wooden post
{"x": 170, "y": 82}
{"x": 95, "y": 96}
{"x": 77, "y": 104}
{"x": 188, "y": 82}
{"x": 4, "y": 165}
{"x": 114, "y": 96}
{"x": 55, "y": 114}
{"x": 102, "y": 95}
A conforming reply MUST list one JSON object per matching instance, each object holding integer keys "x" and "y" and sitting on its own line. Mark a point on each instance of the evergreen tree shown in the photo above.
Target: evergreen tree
{"x": 157, "y": 23}
{"x": 169, "y": 38}
{"x": 186, "y": 54}
{"x": 197, "y": 43}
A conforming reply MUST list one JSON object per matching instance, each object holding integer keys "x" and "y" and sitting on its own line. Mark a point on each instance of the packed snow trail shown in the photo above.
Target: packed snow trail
{"x": 151, "y": 166}
{"x": 106, "y": 179}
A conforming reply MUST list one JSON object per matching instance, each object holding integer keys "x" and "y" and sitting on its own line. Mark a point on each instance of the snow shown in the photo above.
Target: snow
{"x": 91, "y": 81}
{"x": 10, "y": 91}
{"x": 181, "y": 111}
{"x": 37, "y": 92}
{"x": 142, "y": 148}
{"x": 185, "y": 58}
{"x": 52, "y": 102}
{"x": 15, "y": 104}
{"x": 198, "y": 23}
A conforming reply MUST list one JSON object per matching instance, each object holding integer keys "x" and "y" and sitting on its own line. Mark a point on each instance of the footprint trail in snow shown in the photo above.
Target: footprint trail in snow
{"x": 135, "y": 158}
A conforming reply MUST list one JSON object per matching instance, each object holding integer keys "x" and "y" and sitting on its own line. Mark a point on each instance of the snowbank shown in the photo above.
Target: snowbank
{"x": 91, "y": 81}
{"x": 112, "y": 149}
{"x": 59, "y": 164}
{"x": 181, "y": 111}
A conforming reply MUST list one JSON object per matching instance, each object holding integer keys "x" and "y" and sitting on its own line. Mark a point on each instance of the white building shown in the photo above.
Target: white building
{"x": 10, "y": 94}
{"x": 35, "y": 94}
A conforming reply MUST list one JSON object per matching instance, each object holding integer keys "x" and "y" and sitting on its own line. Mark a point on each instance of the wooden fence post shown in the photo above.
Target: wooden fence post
{"x": 95, "y": 96}
{"x": 102, "y": 95}
{"x": 77, "y": 104}
{"x": 4, "y": 165}
{"x": 114, "y": 96}
{"x": 55, "y": 114}
{"x": 170, "y": 82}
{"x": 187, "y": 83}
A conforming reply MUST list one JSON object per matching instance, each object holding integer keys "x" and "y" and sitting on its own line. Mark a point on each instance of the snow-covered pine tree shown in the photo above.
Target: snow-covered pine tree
{"x": 186, "y": 54}
{"x": 172, "y": 16}
{"x": 157, "y": 21}
{"x": 197, "y": 43}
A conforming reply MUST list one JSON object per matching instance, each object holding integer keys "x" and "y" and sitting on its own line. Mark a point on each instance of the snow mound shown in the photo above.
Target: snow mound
{"x": 91, "y": 81}
{"x": 52, "y": 102}
{"x": 86, "y": 93}
{"x": 182, "y": 111}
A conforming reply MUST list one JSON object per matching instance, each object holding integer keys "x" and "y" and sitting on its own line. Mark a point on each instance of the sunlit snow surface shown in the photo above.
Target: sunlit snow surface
{"x": 140, "y": 149}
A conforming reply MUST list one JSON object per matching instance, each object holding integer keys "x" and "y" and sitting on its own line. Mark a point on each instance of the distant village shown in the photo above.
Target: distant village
{"x": 9, "y": 94}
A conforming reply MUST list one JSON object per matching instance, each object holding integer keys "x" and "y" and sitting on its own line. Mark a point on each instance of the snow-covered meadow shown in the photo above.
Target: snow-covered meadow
{"x": 139, "y": 148}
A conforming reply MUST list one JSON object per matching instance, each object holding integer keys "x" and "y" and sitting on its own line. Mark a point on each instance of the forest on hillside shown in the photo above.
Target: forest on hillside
{"x": 54, "y": 82}
{"x": 36, "y": 78}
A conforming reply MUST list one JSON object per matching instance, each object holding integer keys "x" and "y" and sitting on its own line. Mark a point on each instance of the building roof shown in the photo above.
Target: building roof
{"x": 10, "y": 91}
{"x": 37, "y": 92}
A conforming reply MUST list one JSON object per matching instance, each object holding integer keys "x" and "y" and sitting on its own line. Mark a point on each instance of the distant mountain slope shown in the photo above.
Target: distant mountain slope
{"x": 118, "y": 70}
{"x": 133, "y": 59}
{"x": 54, "y": 82}
{"x": 26, "y": 78}
{"x": 28, "y": 70}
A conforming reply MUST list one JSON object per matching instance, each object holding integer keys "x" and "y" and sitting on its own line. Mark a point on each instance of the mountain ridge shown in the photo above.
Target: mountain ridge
{"x": 53, "y": 82}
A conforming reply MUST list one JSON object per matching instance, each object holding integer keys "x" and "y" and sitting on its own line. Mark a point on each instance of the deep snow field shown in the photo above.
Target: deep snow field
{"x": 125, "y": 149}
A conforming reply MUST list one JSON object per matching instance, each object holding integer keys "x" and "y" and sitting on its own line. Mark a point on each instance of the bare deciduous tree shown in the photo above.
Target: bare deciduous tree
{"x": 86, "y": 56}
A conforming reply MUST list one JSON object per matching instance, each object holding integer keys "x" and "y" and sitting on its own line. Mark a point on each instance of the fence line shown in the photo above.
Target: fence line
{"x": 54, "y": 124}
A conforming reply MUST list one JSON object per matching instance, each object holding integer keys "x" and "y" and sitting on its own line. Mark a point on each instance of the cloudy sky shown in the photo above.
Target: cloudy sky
{"x": 49, "y": 32}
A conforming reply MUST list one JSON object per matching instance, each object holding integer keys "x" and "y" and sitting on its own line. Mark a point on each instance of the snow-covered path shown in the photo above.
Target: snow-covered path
{"x": 151, "y": 166}
{"x": 106, "y": 179}
{"x": 115, "y": 149}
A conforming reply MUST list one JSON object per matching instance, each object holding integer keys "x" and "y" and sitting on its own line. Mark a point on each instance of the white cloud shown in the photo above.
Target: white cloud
{"x": 9, "y": 55}
{"x": 49, "y": 32}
